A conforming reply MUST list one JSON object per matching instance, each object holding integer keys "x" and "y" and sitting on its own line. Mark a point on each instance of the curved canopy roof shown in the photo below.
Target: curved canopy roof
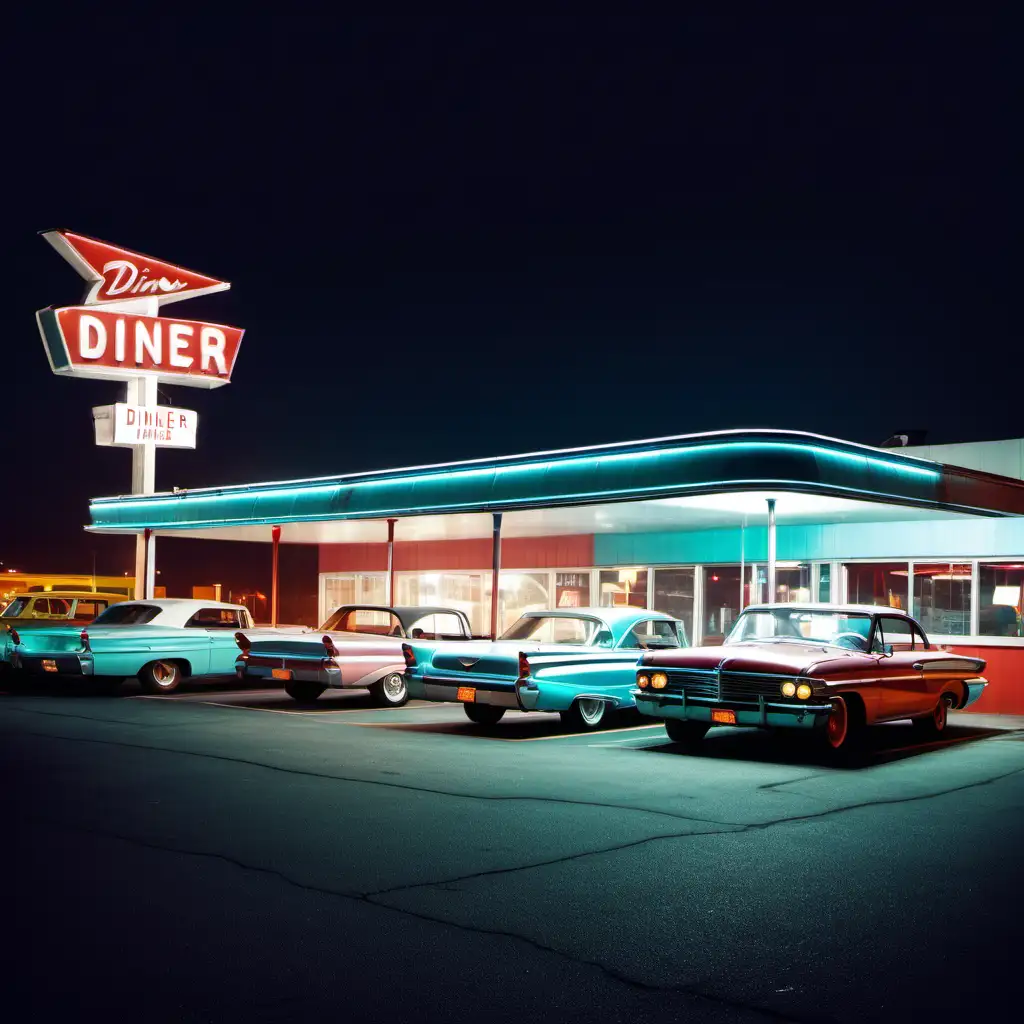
{"x": 694, "y": 464}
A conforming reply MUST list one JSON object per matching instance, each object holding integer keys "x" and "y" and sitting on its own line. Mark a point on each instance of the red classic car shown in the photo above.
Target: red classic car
{"x": 836, "y": 668}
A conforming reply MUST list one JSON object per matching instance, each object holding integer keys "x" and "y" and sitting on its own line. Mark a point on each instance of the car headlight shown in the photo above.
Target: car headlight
{"x": 803, "y": 691}
{"x": 788, "y": 688}
{"x": 659, "y": 680}
{"x": 643, "y": 680}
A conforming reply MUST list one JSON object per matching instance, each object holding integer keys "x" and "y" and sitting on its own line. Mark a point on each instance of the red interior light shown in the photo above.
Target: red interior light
{"x": 524, "y": 666}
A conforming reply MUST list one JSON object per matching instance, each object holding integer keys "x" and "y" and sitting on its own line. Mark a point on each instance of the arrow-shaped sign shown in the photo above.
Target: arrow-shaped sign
{"x": 117, "y": 275}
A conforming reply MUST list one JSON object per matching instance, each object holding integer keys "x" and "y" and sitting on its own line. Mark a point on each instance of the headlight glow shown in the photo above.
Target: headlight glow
{"x": 642, "y": 680}
{"x": 788, "y": 688}
{"x": 659, "y": 680}
{"x": 803, "y": 691}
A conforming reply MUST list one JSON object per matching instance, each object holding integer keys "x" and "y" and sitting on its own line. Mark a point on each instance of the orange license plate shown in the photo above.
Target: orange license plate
{"x": 467, "y": 694}
{"x": 723, "y": 716}
{"x": 282, "y": 673}
{"x": 49, "y": 665}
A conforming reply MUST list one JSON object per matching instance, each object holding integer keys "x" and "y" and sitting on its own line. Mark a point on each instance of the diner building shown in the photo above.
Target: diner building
{"x": 698, "y": 526}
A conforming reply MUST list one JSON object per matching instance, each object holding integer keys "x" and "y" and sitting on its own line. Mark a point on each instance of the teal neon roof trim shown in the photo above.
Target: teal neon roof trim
{"x": 696, "y": 464}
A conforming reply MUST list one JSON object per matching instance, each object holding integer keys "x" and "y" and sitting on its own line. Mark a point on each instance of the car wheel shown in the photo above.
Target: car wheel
{"x": 584, "y": 714}
{"x": 483, "y": 714}
{"x": 302, "y": 691}
{"x": 843, "y": 728}
{"x": 686, "y": 734}
{"x": 391, "y": 691}
{"x": 160, "y": 677}
{"x": 935, "y": 723}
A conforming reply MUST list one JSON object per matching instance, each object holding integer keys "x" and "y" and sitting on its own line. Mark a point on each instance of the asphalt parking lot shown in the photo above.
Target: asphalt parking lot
{"x": 225, "y": 854}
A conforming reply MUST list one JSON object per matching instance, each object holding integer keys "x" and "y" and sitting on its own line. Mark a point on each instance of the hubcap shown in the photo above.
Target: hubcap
{"x": 394, "y": 686}
{"x": 940, "y": 714}
{"x": 591, "y": 711}
{"x": 837, "y": 723}
{"x": 163, "y": 673}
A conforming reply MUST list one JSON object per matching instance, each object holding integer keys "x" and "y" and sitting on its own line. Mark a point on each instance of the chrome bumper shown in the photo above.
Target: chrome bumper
{"x": 762, "y": 714}
{"x": 305, "y": 670}
{"x": 975, "y": 688}
{"x": 447, "y": 690}
{"x": 66, "y": 664}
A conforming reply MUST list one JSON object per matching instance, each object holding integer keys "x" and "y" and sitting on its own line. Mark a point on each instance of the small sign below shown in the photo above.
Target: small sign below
{"x": 125, "y": 426}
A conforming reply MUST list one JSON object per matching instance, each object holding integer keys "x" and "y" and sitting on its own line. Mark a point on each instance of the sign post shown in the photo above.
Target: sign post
{"x": 118, "y": 334}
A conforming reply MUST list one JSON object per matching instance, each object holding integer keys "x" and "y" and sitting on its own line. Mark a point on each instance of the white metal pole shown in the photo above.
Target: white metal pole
{"x": 771, "y": 550}
{"x": 142, "y": 391}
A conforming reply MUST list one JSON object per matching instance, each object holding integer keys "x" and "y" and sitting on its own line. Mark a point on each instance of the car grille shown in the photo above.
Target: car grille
{"x": 727, "y": 685}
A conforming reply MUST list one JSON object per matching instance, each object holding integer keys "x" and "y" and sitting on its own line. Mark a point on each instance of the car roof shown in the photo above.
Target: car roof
{"x": 403, "y": 611}
{"x": 610, "y": 615}
{"x": 69, "y": 594}
{"x": 182, "y": 603}
{"x": 858, "y": 609}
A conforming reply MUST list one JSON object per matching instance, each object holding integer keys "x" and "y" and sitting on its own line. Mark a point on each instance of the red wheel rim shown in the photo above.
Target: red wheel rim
{"x": 941, "y": 710}
{"x": 837, "y": 723}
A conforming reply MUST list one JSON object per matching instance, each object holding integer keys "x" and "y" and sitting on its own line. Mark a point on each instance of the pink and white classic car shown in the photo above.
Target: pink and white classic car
{"x": 837, "y": 668}
{"x": 358, "y": 647}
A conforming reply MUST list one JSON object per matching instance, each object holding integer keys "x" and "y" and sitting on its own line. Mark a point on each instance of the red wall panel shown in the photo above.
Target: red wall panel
{"x": 1004, "y": 671}
{"x": 571, "y": 552}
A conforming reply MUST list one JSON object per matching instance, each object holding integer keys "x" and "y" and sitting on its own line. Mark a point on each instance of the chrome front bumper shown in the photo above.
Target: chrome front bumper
{"x": 762, "y": 714}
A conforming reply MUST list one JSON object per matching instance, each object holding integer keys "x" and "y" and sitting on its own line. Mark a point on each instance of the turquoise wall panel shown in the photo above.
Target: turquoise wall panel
{"x": 943, "y": 538}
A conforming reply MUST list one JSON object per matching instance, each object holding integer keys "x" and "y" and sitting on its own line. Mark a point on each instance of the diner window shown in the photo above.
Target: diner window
{"x": 623, "y": 588}
{"x": 520, "y": 592}
{"x": 879, "y": 583}
{"x": 572, "y": 589}
{"x": 1000, "y": 598}
{"x": 897, "y": 633}
{"x": 468, "y": 592}
{"x": 673, "y": 593}
{"x": 942, "y": 597}
{"x": 353, "y": 588}
{"x": 825, "y": 583}
{"x": 721, "y": 601}
{"x": 792, "y": 582}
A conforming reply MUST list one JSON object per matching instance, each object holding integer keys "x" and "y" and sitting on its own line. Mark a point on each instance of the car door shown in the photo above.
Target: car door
{"x": 902, "y": 689}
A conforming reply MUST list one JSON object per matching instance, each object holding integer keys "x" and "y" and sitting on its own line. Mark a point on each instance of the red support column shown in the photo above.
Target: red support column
{"x": 391, "y": 561}
{"x": 495, "y": 570}
{"x": 275, "y": 535}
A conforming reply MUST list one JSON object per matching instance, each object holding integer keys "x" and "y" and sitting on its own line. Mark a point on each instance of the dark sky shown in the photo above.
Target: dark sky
{"x": 454, "y": 237}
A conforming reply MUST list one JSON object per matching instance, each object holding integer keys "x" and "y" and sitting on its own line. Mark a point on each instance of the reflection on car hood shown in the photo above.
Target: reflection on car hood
{"x": 757, "y": 656}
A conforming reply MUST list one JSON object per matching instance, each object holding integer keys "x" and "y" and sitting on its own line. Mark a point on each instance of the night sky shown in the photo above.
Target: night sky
{"x": 451, "y": 238}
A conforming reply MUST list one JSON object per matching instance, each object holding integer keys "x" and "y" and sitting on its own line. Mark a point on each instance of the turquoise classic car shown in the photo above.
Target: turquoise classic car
{"x": 578, "y": 662}
{"x": 160, "y": 641}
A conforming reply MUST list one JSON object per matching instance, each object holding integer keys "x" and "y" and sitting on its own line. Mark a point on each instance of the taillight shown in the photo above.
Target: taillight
{"x": 332, "y": 651}
{"x": 244, "y": 643}
{"x": 84, "y": 637}
{"x": 524, "y": 666}
{"x": 14, "y": 635}
{"x": 407, "y": 654}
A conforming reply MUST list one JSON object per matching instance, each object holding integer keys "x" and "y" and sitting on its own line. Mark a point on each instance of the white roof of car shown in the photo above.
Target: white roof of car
{"x": 176, "y": 611}
{"x": 856, "y": 609}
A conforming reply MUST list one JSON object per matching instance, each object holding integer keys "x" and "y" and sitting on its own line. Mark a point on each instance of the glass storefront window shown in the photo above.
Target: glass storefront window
{"x": 1001, "y": 598}
{"x": 942, "y": 597}
{"x": 673, "y": 594}
{"x": 465, "y": 591}
{"x": 721, "y": 601}
{"x": 624, "y": 588}
{"x": 881, "y": 583}
{"x": 519, "y": 592}
{"x": 824, "y": 583}
{"x": 572, "y": 589}
{"x": 352, "y": 588}
{"x": 792, "y": 582}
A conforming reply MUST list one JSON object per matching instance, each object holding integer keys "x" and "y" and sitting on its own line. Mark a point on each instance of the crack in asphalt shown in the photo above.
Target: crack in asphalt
{"x": 370, "y": 899}
{"x": 302, "y": 772}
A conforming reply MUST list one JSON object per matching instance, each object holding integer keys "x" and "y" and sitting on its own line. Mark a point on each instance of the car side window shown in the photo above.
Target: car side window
{"x": 214, "y": 618}
{"x": 896, "y": 632}
{"x": 437, "y": 625}
{"x": 651, "y": 634}
{"x": 89, "y": 609}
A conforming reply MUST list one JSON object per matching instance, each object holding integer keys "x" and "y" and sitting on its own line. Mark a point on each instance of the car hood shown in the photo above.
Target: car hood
{"x": 775, "y": 658}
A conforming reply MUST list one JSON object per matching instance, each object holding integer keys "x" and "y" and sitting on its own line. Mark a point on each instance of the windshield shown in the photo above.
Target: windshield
{"x": 16, "y": 607}
{"x": 560, "y": 629}
{"x": 839, "y": 629}
{"x": 375, "y": 621}
{"x": 126, "y": 615}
